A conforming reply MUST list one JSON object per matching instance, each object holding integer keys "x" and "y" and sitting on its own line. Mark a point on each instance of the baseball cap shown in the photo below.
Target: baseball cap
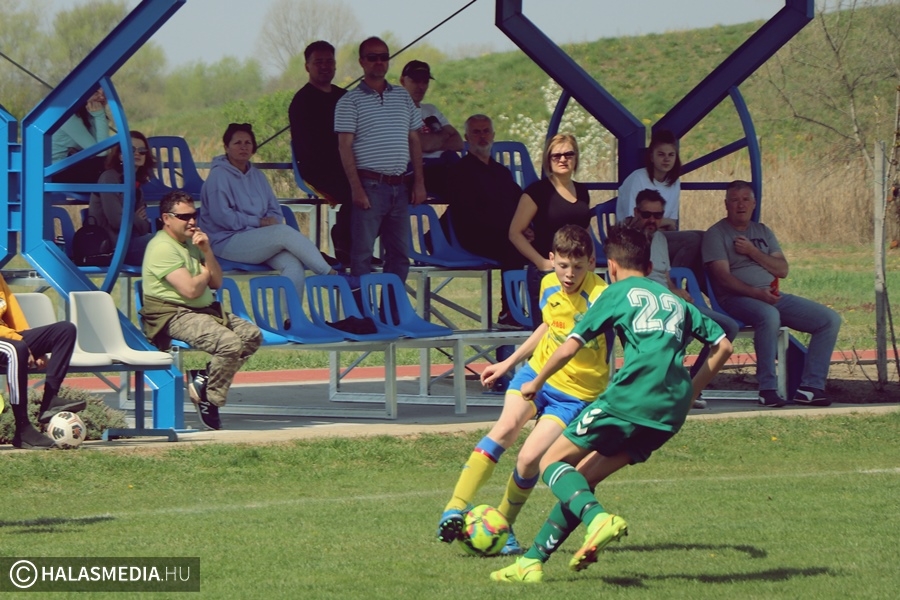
{"x": 417, "y": 69}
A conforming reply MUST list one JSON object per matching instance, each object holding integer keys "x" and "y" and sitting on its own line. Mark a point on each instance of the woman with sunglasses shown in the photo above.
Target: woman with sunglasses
{"x": 242, "y": 217}
{"x": 106, "y": 207}
{"x": 546, "y": 206}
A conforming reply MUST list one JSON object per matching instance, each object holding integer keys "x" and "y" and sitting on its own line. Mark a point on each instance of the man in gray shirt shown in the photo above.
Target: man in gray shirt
{"x": 745, "y": 263}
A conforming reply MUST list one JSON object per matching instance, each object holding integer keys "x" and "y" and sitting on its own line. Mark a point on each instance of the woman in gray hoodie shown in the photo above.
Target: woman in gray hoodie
{"x": 242, "y": 217}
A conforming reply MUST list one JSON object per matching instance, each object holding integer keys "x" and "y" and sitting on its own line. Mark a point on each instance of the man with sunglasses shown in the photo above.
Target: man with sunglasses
{"x": 378, "y": 136}
{"x": 648, "y": 213}
{"x": 179, "y": 275}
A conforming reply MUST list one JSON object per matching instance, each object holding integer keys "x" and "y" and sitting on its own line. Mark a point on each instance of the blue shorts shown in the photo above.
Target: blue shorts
{"x": 549, "y": 401}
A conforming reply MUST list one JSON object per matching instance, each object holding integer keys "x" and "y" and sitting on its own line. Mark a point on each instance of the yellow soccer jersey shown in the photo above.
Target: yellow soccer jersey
{"x": 586, "y": 375}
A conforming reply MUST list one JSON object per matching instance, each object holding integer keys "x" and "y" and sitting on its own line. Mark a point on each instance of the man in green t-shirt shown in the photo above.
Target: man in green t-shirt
{"x": 179, "y": 273}
{"x": 644, "y": 405}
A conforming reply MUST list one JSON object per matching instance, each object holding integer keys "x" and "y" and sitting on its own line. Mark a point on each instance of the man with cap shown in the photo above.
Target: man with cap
{"x": 440, "y": 140}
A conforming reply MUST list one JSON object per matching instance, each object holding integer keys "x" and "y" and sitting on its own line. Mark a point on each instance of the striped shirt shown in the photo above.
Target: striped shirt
{"x": 381, "y": 124}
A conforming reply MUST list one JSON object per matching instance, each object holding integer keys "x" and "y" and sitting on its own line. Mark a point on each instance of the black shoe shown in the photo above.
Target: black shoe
{"x": 58, "y": 405}
{"x": 771, "y": 399}
{"x": 377, "y": 262}
{"x": 206, "y": 410}
{"x": 811, "y": 396}
{"x": 506, "y": 321}
{"x": 29, "y": 438}
{"x": 332, "y": 262}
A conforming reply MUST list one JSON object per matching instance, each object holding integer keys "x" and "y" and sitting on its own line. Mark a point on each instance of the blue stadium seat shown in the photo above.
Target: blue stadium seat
{"x": 175, "y": 168}
{"x": 277, "y": 308}
{"x": 331, "y": 300}
{"x": 516, "y": 287}
{"x": 387, "y": 290}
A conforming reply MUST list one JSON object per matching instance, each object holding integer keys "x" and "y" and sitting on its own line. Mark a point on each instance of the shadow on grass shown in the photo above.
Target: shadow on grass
{"x": 751, "y": 551}
{"x": 51, "y": 524}
{"x": 641, "y": 580}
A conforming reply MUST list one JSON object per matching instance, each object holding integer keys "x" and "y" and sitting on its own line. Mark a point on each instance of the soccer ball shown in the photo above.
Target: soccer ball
{"x": 485, "y": 532}
{"x": 66, "y": 429}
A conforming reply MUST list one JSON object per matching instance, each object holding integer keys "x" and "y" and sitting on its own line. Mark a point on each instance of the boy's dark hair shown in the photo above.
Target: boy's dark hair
{"x": 660, "y": 137}
{"x": 169, "y": 201}
{"x": 629, "y": 247}
{"x": 317, "y": 46}
{"x": 233, "y": 128}
{"x": 573, "y": 241}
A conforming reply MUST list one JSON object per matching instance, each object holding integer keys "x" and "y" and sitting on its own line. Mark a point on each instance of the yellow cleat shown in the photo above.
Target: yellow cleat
{"x": 524, "y": 570}
{"x": 601, "y": 531}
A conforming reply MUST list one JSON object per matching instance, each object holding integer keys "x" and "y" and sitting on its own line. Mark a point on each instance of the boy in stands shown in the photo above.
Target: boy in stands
{"x": 566, "y": 295}
{"x": 644, "y": 406}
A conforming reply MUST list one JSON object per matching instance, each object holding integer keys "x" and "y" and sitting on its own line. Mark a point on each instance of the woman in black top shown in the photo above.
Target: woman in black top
{"x": 551, "y": 203}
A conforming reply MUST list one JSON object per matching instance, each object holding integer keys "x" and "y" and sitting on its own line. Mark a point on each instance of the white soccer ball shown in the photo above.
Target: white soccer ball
{"x": 66, "y": 429}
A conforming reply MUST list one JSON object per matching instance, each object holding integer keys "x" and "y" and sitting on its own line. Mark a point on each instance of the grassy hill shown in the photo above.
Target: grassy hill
{"x": 648, "y": 74}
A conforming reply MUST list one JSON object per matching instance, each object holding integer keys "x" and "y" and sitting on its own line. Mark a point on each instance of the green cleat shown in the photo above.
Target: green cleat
{"x": 524, "y": 570}
{"x": 601, "y": 531}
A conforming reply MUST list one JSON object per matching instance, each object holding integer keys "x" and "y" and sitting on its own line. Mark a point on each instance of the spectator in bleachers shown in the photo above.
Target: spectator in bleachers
{"x": 647, "y": 215}
{"x": 82, "y": 130}
{"x": 745, "y": 263}
{"x": 23, "y": 348}
{"x": 482, "y": 199}
{"x": 546, "y": 206}
{"x": 179, "y": 275}
{"x": 315, "y": 143}
{"x": 441, "y": 142}
{"x": 243, "y": 218}
{"x": 106, "y": 207}
{"x": 662, "y": 172}
{"x": 378, "y": 135}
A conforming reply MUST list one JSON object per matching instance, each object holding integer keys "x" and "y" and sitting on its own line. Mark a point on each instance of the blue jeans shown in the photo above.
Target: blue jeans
{"x": 728, "y": 324}
{"x": 387, "y": 216}
{"x": 794, "y": 312}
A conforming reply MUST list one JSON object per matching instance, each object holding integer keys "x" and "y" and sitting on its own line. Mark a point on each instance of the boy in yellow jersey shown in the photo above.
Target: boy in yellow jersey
{"x": 566, "y": 294}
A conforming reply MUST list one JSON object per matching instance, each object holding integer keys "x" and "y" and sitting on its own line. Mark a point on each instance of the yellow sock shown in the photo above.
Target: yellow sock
{"x": 478, "y": 469}
{"x": 515, "y": 496}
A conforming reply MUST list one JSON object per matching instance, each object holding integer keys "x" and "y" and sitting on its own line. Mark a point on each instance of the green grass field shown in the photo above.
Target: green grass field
{"x": 765, "y": 507}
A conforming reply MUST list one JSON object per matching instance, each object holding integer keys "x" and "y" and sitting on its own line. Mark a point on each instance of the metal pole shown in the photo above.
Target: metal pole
{"x": 880, "y": 189}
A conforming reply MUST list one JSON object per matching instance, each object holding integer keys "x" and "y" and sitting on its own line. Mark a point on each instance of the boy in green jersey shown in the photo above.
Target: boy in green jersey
{"x": 566, "y": 295}
{"x": 644, "y": 405}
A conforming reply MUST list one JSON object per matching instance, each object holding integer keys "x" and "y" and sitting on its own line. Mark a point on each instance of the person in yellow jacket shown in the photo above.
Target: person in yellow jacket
{"x": 23, "y": 348}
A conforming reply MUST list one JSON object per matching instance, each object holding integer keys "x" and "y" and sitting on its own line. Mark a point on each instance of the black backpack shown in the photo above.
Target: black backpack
{"x": 91, "y": 245}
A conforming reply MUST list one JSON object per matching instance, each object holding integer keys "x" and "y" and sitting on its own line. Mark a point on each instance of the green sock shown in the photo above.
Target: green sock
{"x": 573, "y": 491}
{"x": 553, "y": 533}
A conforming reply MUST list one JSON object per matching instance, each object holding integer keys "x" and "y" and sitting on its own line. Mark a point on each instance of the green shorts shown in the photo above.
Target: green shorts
{"x": 609, "y": 435}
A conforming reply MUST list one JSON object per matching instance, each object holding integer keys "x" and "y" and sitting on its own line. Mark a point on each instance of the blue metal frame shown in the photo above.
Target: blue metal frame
{"x": 26, "y": 197}
{"x": 687, "y": 113}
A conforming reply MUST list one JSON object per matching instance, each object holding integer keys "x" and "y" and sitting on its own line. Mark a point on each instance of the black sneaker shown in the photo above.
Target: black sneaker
{"x": 506, "y": 321}
{"x": 58, "y": 405}
{"x": 811, "y": 396}
{"x": 206, "y": 410}
{"x": 29, "y": 438}
{"x": 771, "y": 399}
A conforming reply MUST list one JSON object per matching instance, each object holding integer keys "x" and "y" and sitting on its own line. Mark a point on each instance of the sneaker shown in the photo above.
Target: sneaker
{"x": 58, "y": 405}
{"x": 811, "y": 396}
{"x": 771, "y": 399}
{"x": 30, "y": 438}
{"x": 602, "y": 530}
{"x": 206, "y": 410}
{"x": 512, "y": 547}
{"x": 506, "y": 321}
{"x": 699, "y": 403}
{"x": 524, "y": 570}
{"x": 451, "y": 526}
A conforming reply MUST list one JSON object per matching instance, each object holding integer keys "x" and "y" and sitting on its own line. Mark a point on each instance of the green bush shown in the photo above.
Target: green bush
{"x": 97, "y": 416}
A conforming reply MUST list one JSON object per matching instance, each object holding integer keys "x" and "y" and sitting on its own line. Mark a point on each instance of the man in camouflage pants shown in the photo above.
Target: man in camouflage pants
{"x": 179, "y": 273}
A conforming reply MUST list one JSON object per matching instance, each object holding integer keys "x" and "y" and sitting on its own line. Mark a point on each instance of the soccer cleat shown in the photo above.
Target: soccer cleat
{"x": 771, "y": 399}
{"x": 512, "y": 546}
{"x": 58, "y": 405}
{"x": 601, "y": 531}
{"x": 29, "y": 438}
{"x": 524, "y": 570}
{"x": 811, "y": 396}
{"x": 451, "y": 526}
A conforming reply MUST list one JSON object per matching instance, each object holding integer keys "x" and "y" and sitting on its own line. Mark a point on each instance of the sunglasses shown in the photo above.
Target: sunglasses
{"x": 381, "y": 57}
{"x": 184, "y": 216}
{"x": 140, "y": 151}
{"x": 558, "y": 156}
{"x": 646, "y": 214}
